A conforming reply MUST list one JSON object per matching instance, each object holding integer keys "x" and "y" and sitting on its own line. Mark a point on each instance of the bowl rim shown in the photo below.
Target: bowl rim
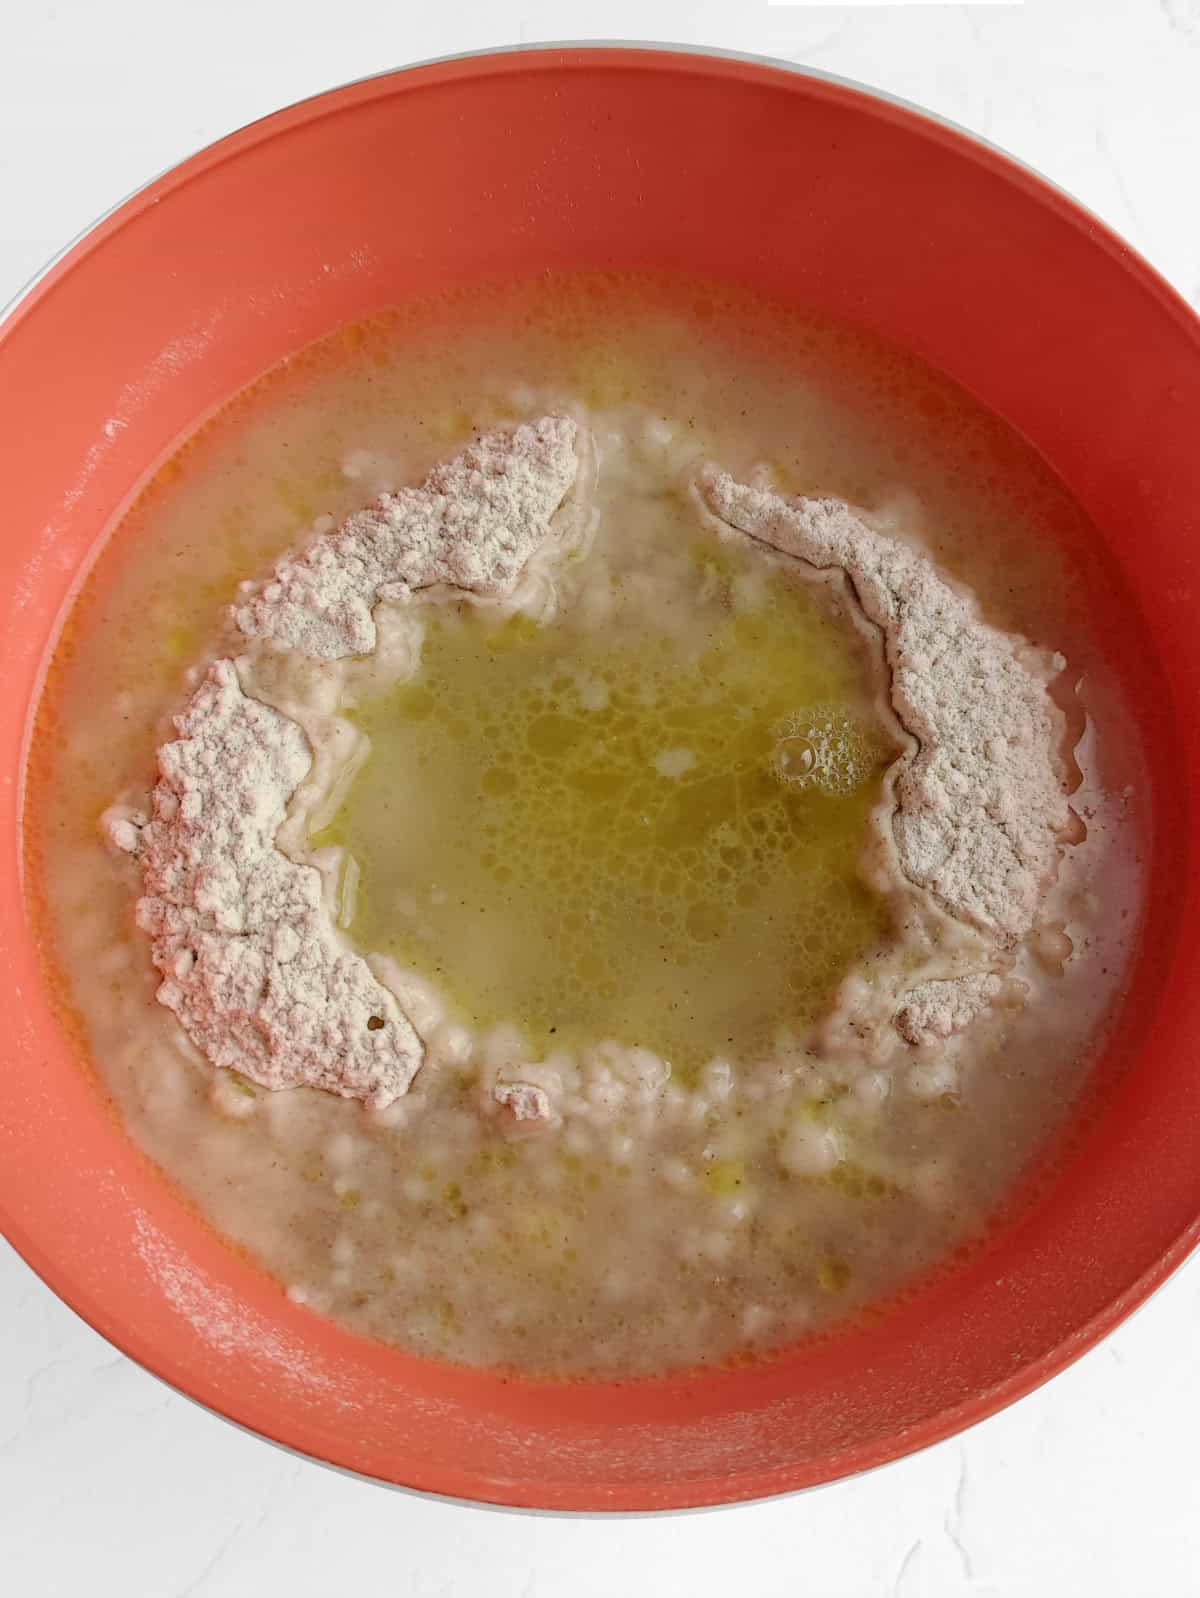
{"x": 1103, "y": 232}
{"x": 710, "y": 1493}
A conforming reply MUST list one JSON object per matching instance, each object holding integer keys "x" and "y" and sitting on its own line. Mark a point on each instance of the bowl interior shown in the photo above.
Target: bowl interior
{"x": 803, "y": 189}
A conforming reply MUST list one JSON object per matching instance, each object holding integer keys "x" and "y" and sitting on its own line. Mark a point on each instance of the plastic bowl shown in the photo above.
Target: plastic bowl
{"x": 516, "y": 162}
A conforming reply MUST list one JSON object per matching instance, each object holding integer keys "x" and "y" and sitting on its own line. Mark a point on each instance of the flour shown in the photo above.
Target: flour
{"x": 934, "y": 1011}
{"x": 980, "y": 805}
{"x": 524, "y": 1100}
{"x": 252, "y": 964}
{"x": 472, "y": 526}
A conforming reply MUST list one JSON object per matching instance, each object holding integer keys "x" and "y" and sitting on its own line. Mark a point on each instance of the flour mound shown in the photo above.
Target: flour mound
{"x": 934, "y": 1011}
{"x": 473, "y": 525}
{"x": 252, "y": 964}
{"x": 980, "y": 805}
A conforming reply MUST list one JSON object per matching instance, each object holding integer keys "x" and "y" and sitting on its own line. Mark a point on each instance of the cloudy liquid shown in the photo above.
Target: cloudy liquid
{"x": 595, "y": 831}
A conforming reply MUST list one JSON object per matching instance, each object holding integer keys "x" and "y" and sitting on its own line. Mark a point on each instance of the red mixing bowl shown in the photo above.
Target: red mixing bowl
{"x": 562, "y": 158}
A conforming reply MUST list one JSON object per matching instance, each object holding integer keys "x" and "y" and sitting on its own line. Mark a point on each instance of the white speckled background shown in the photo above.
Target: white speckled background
{"x": 111, "y": 1484}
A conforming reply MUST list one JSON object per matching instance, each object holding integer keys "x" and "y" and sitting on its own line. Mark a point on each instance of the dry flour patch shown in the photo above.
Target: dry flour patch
{"x": 472, "y": 526}
{"x": 981, "y": 808}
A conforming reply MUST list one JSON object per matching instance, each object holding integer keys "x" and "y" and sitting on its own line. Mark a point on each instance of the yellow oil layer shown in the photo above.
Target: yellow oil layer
{"x": 624, "y": 832}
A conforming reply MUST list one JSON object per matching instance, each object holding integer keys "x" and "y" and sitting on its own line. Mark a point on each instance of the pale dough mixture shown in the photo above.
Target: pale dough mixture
{"x": 732, "y": 636}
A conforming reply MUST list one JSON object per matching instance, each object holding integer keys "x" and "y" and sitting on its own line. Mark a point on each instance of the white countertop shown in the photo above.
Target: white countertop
{"x": 110, "y": 1483}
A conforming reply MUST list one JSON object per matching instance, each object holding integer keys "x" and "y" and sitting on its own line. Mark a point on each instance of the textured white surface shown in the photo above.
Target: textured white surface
{"x": 110, "y": 1484}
